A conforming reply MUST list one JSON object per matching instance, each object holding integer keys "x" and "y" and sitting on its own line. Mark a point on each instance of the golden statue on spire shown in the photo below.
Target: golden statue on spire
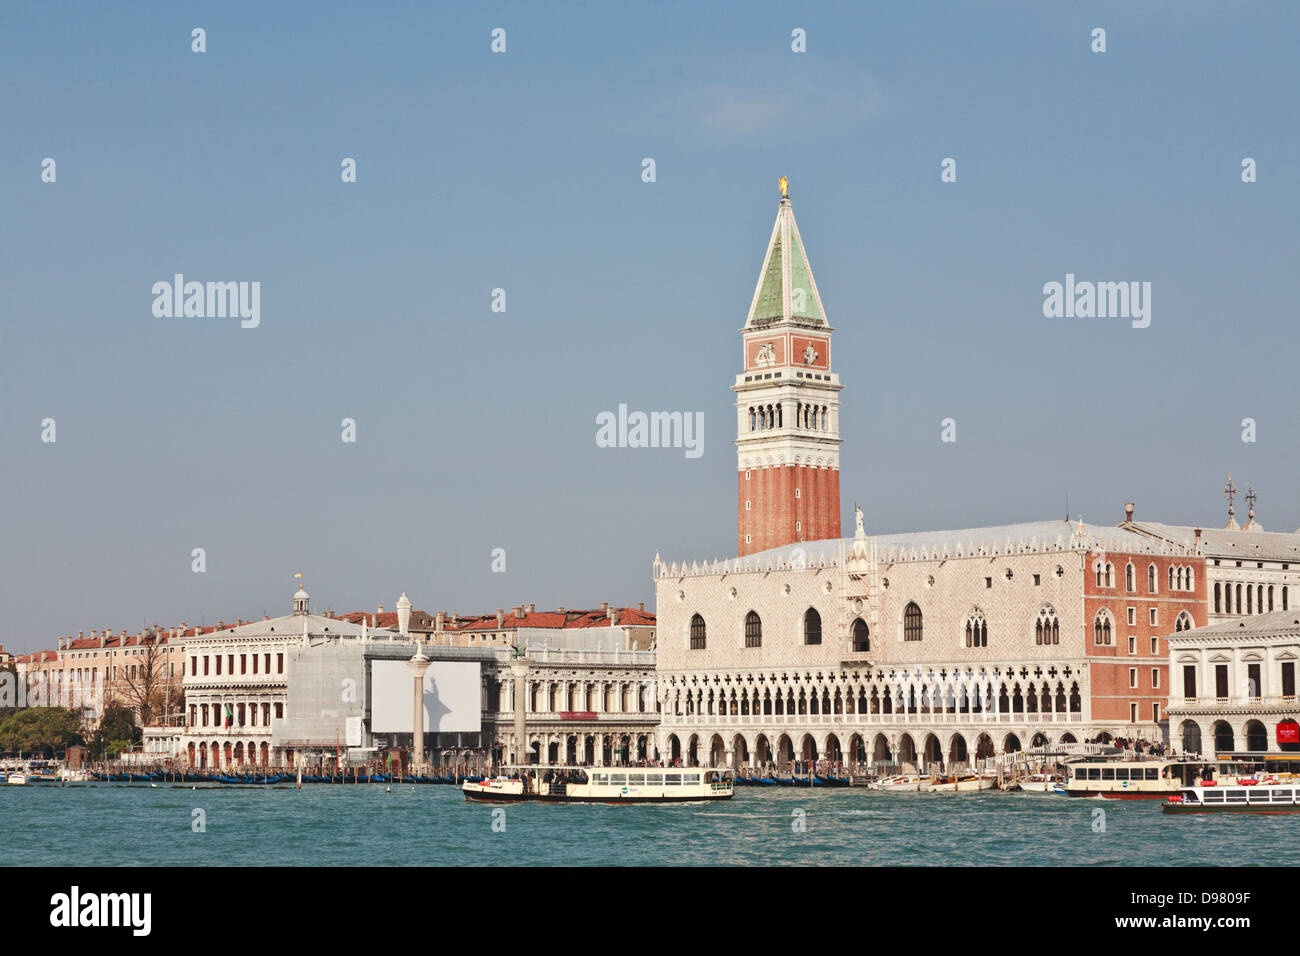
{"x": 784, "y": 185}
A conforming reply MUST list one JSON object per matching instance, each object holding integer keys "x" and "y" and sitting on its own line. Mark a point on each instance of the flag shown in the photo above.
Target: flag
{"x": 230, "y": 716}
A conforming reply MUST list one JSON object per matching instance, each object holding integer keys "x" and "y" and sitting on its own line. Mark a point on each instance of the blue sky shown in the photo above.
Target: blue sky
{"x": 522, "y": 171}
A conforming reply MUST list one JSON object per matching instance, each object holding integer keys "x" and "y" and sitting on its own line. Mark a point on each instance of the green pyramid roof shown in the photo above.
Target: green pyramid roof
{"x": 786, "y": 288}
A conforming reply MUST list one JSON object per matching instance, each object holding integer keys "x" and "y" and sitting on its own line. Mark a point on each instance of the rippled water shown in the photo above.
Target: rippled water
{"x": 323, "y": 825}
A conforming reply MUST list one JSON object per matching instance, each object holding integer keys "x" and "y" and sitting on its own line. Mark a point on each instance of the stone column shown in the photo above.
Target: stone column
{"x": 519, "y": 668}
{"x": 418, "y": 664}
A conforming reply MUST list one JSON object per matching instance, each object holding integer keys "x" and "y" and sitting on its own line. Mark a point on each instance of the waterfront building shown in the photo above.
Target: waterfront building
{"x": 933, "y": 647}
{"x": 1235, "y": 685}
{"x": 1249, "y": 571}
{"x": 588, "y": 696}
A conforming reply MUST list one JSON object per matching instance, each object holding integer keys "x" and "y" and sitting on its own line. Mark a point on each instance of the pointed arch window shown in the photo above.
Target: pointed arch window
{"x": 1184, "y": 622}
{"x": 1151, "y": 579}
{"x": 912, "y": 622}
{"x": 812, "y": 627}
{"x": 1047, "y": 629}
{"x": 1102, "y": 629}
{"x": 977, "y": 629}
{"x": 698, "y": 633}
{"x": 861, "y": 636}
{"x": 753, "y": 630}
{"x": 1130, "y": 577}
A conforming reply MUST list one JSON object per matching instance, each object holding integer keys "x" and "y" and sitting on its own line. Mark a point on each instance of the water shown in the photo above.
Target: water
{"x": 324, "y": 825}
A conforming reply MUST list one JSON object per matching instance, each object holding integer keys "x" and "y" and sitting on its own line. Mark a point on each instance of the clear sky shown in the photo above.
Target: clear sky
{"x": 522, "y": 171}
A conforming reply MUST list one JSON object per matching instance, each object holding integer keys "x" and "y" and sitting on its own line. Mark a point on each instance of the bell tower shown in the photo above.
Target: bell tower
{"x": 787, "y": 403}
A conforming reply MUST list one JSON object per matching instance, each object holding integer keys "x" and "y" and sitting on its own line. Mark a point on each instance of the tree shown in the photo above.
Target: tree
{"x": 44, "y": 730}
{"x": 146, "y": 684}
{"x": 116, "y": 732}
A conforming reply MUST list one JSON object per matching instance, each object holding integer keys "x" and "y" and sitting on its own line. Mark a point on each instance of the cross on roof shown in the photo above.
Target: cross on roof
{"x": 1230, "y": 492}
{"x": 1251, "y": 497}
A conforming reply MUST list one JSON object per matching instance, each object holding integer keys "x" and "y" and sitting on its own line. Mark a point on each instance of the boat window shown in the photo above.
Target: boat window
{"x": 654, "y": 779}
{"x": 1213, "y": 796}
{"x": 1234, "y": 794}
{"x": 1094, "y": 773}
{"x": 1282, "y": 796}
{"x": 1121, "y": 773}
{"x": 690, "y": 778}
{"x": 1153, "y": 773}
{"x": 598, "y": 778}
{"x": 1107, "y": 773}
{"x": 672, "y": 780}
{"x": 618, "y": 779}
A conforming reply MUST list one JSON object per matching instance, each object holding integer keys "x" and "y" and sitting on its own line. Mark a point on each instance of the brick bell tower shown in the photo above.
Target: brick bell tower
{"x": 787, "y": 403}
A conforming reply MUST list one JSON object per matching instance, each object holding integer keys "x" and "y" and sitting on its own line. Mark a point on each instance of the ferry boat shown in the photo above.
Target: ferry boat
{"x": 1264, "y": 796}
{"x": 1156, "y": 779}
{"x": 556, "y": 784}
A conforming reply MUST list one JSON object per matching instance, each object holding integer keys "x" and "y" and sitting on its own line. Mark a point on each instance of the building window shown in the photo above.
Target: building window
{"x": 1047, "y": 629}
{"x": 697, "y": 633}
{"x": 988, "y": 582}
{"x": 812, "y": 627}
{"x": 1218, "y": 598}
{"x": 861, "y": 636}
{"x": 1189, "y": 681}
{"x": 1133, "y": 713}
{"x": 1037, "y": 580}
{"x": 1184, "y": 622}
{"x": 977, "y": 629}
{"x": 1155, "y": 678}
{"x": 1154, "y": 617}
{"x": 1221, "y": 681}
{"x": 746, "y": 504}
{"x": 1254, "y": 690}
{"x": 1101, "y": 629}
{"x": 1151, "y": 579}
{"x": 279, "y": 666}
{"x": 1132, "y": 644}
{"x": 912, "y": 623}
{"x": 1288, "y": 678}
{"x": 1132, "y": 677}
{"x": 1155, "y": 646}
{"x": 753, "y": 630}
{"x": 1130, "y": 577}
{"x": 1132, "y": 617}
{"x": 1155, "y": 712}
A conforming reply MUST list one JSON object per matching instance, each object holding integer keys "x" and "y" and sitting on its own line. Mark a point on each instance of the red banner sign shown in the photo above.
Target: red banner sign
{"x": 1288, "y": 733}
{"x": 577, "y": 715}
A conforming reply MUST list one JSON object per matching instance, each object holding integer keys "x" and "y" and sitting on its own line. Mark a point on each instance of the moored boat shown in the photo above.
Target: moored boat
{"x": 907, "y": 782}
{"x": 1254, "y": 797}
{"x": 544, "y": 784}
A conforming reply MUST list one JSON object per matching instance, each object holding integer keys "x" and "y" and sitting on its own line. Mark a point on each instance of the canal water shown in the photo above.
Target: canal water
{"x": 362, "y": 825}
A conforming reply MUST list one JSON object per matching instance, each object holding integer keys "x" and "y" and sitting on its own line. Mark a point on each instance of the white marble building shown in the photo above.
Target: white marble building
{"x": 1234, "y": 684}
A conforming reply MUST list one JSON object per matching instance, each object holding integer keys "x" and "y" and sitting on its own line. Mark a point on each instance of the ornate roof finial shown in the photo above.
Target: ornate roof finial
{"x": 1230, "y": 492}
{"x": 784, "y": 184}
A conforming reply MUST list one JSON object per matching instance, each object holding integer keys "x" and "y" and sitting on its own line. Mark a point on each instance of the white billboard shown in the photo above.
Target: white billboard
{"x": 452, "y": 699}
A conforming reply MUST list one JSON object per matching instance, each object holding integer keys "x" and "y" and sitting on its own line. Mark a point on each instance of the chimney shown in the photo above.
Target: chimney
{"x": 612, "y": 614}
{"x": 560, "y": 609}
{"x": 640, "y": 605}
{"x": 103, "y": 639}
{"x": 221, "y": 624}
{"x": 380, "y": 610}
{"x": 519, "y": 611}
{"x": 531, "y": 608}
{"x": 604, "y": 605}
{"x": 438, "y": 620}
{"x": 1198, "y": 537}
{"x": 266, "y": 617}
{"x": 501, "y": 617}
{"x": 80, "y": 635}
{"x": 1128, "y": 511}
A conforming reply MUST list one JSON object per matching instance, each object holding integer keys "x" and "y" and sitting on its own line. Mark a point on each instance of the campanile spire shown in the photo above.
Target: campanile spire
{"x": 787, "y": 402}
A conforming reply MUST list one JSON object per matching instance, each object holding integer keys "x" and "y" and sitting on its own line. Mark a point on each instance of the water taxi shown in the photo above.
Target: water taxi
{"x": 1262, "y": 796}
{"x": 963, "y": 783}
{"x": 1041, "y": 783}
{"x": 556, "y": 784}
{"x": 906, "y": 782}
{"x": 16, "y": 778}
